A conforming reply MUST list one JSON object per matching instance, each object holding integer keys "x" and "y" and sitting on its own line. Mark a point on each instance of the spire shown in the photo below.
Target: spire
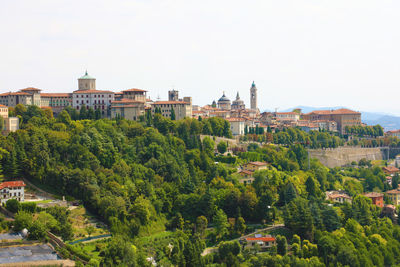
{"x": 237, "y": 96}
{"x": 253, "y": 85}
{"x": 86, "y": 72}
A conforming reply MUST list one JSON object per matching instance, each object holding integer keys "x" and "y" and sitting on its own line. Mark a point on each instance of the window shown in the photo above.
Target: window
{"x": 87, "y": 95}
{"x": 77, "y": 101}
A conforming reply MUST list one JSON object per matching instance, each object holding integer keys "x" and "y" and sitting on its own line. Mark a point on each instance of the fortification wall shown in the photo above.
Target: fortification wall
{"x": 336, "y": 157}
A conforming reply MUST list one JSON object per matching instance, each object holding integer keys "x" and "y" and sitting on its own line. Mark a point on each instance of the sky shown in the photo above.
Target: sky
{"x": 313, "y": 53}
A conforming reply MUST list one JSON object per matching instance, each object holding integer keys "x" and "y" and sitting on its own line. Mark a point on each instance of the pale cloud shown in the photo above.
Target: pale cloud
{"x": 299, "y": 52}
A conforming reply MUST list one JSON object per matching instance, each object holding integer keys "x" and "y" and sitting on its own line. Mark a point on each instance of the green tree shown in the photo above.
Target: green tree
{"x": 12, "y": 205}
{"x": 281, "y": 244}
{"x": 201, "y": 225}
{"x": 221, "y": 223}
{"x": 222, "y": 147}
{"x": 173, "y": 117}
{"x": 22, "y": 220}
{"x": 119, "y": 252}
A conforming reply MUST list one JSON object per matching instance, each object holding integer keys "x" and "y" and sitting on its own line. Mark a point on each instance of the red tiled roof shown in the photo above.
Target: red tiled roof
{"x": 342, "y": 111}
{"x": 125, "y": 100}
{"x": 235, "y": 119}
{"x": 391, "y": 169}
{"x": 12, "y": 184}
{"x": 258, "y": 163}
{"x": 169, "y": 102}
{"x": 30, "y": 89}
{"x": 246, "y": 172}
{"x": 373, "y": 194}
{"x": 287, "y": 113}
{"x": 264, "y": 239}
{"x": 92, "y": 91}
{"x": 55, "y": 95}
{"x": 2, "y": 106}
{"x": 134, "y": 90}
{"x": 332, "y": 196}
{"x": 393, "y": 191}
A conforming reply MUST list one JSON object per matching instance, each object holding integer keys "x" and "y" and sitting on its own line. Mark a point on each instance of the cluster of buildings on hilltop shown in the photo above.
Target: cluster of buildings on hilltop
{"x": 239, "y": 117}
{"x": 133, "y": 103}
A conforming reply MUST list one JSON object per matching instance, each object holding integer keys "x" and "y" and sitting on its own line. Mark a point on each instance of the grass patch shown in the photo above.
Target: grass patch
{"x": 81, "y": 219}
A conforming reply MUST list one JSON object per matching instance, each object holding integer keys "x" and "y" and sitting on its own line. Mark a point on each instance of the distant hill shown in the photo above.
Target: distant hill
{"x": 387, "y": 121}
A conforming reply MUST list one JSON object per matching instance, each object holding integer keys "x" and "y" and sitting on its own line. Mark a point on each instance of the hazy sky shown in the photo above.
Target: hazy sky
{"x": 315, "y": 52}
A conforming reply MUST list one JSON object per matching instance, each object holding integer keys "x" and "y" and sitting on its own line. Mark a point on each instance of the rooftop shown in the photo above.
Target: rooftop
{"x": 169, "y": 102}
{"x": 373, "y": 194}
{"x": 258, "y": 163}
{"x": 12, "y": 184}
{"x": 134, "y": 90}
{"x": 342, "y": 111}
{"x": 86, "y": 77}
{"x": 264, "y": 239}
{"x": 93, "y": 91}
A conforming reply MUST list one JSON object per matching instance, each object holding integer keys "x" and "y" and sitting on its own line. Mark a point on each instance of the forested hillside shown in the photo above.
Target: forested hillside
{"x": 163, "y": 193}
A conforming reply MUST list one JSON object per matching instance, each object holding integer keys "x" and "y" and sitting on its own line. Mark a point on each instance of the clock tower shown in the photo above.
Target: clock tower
{"x": 253, "y": 96}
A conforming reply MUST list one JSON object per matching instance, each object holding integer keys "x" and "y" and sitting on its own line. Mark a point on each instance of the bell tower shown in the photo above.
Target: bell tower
{"x": 86, "y": 82}
{"x": 253, "y": 97}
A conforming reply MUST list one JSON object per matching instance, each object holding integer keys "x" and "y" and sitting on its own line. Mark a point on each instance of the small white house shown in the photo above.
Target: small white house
{"x": 12, "y": 190}
{"x": 237, "y": 125}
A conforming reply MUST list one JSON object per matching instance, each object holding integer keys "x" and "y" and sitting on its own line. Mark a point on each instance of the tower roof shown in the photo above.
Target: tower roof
{"x": 237, "y": 96}
{"x": 253, "y": 84}
{"x": 86, "y": 77}
{"x": 223, "y": 98}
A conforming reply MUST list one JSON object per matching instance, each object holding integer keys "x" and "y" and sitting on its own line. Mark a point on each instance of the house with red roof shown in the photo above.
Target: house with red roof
{"x": 377, "y": 198}
{"x": 390, "y": 170}
{"x": 12, "y": 190}
{"x": 255, "y": 166}
{"x": 262, "y": 241}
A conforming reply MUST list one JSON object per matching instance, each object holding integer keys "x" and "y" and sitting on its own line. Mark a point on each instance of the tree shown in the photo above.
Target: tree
{"x": 281, "y": 243}
{"x": 119, "y": 252}
{"x": 222, "y": 147}
{"x": 12, "y": 205}
{"x": 240, "y": 226}
{"x": 298, "y": 218}
{"x": 331, "y": 219}
{"x": 201, "y": 225}
{"x": 83, "y": 113}
{"x": 228, "y": 249}
{"x": 221, "y": 223}
{"x": 173, "y": 117}
{"x": 362, "y": 209}
{"x": 22, "y": 220}
{"x": 313, "y": 190}
{"x": 90, "y": 230}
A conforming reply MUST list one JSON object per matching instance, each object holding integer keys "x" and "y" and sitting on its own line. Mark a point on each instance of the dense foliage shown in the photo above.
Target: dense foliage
{"x": 164, "y": 194}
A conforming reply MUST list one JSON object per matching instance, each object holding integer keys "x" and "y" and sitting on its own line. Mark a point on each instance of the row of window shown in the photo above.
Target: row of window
{"x": 87, "y": 102}
{"x": 82, "y": 96}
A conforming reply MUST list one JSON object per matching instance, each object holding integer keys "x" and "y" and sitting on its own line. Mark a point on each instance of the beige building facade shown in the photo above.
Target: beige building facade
{"x": 182, "y": 109}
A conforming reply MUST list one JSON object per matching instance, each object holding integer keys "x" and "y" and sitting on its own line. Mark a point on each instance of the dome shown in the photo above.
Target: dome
{"x": 86, "y": 77}
{"x": 223, "y": 98}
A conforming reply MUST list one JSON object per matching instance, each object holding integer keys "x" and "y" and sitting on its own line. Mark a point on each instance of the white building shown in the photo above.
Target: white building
{"x": 12, "y": 190}
{"x": 90, "y": 97}
{"x": 237, "y": 125}
{"x": 290, "y": 116}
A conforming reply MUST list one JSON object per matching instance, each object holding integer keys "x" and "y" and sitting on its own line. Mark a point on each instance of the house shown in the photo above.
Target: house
{"x": 377, "y": 198}
{"x": 12, "y": 190}
{"x": 263, "y": 241}
{"x": 394, "y": 196}
{"x": 390, "y": 170}
{"x": 389, "y": 179}
{"x": 237, "y": 125}
{"x": 338, "y": 196}
{"x": 247, "y": 177}
{"x": 255, "y": 166}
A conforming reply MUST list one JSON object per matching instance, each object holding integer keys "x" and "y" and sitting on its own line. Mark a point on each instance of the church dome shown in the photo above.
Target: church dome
{"x": 224, "y": 98}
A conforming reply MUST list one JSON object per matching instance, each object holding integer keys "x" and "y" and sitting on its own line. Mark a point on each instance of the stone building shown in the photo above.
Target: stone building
{"x": 130, "y": 105}
{"x": 342, "y": 117}
{"x": 238, "y": 103}
{"x": 224, "y": 102}
{"x": 88, "y": 95}
{"x": 182, "y": 109}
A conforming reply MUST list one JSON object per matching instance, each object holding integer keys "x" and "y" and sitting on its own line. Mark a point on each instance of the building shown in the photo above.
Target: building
{"x": 238, "y": 103}
{"x": 173, "y": 95}
{"x": 253, "y": 97}
{"x": 12, "y": 190}
{"x": 394, "y": 196}
{"x": 390, "y": 170}
{"x": 224, "y": 103}
{"x": 338, "y": 196}
{"x": 397, "y": 161}
{"x": 247, "y": 177}
{"x": 237, "y": 125}
{"x": 395, "y": 133}
{"x": 11, "y": 124}
{"x": 289, "y": 116}
{"x": 342, "y": 117}
{"x": 130, "y": 104}
{"x": 88, "y": 96}
{"x": 377, "y": 198}
{"x": 57, "y": 101}
{"x": 181, "y": 109}
{"x": 255, "y": 166}
{"x": 263, "y": 242}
